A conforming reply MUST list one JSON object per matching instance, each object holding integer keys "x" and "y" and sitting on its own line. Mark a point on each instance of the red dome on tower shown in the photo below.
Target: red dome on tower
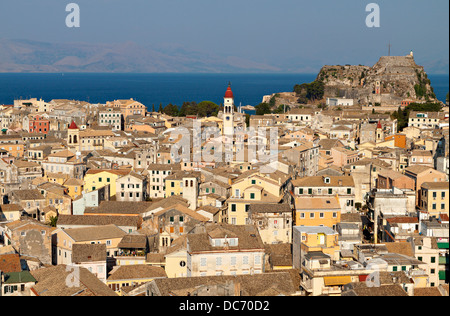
{"x": 379, "y": 125}
{"x": 73, "y": 125}
{"x": 229, "y": 93}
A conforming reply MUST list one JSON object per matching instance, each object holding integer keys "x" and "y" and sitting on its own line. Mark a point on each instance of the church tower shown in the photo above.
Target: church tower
{"x": 380, "y": 133}
{"x": 228, "y": 112}
{"x": 73, "y": 136}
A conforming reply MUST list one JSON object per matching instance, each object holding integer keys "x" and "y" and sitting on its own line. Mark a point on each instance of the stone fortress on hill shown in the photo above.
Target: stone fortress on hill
{"x": 392, "y": 81}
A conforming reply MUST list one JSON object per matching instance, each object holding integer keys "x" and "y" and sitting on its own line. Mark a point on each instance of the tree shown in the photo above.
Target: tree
{"x": 171, "y": 110}
{"x": 263, "y": 108}
{"x": 153, "y": 108}
{"x": 315, "y": 90}
{"x": 280, "y": 109}
{"x": 53, "y": 221}
{"x": 207, "y": 108}
{"x": 188, "y": 108}
{"x": 160, "y": 108}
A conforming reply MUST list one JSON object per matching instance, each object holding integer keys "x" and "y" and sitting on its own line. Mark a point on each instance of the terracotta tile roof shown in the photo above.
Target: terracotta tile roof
{"x": 248, "y": 238}
{"x": 82, "y": 253}
{"x": 403, "y": 220}
{"x": 135, "y": 272}
{"x": 319, "y": 181}
{"x": 100, "y": 220}
{"x": 95, "y": 233}
{"x": 10, "y": 263}
{"x": 427, "y": 291}
{"x": 250, "y": 285}
{"x": 435, "y": 185}
{"x": 317, "y": 203}
{"x": 52, "y": 281}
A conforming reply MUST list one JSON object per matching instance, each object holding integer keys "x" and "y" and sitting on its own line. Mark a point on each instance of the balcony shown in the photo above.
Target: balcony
{"x": 134, "y": 254}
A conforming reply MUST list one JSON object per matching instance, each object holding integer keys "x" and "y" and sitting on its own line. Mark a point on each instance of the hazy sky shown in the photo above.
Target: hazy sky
{"x": 276, "y": 32}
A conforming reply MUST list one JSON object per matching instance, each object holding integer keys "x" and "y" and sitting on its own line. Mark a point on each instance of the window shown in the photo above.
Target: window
{"x": 233, "y": 207}
{"x": 349, "y": 191}
{"x": 311, "y": 215}
{"x": 420, "y": 258}
{"x": 403, "y": 268}
{"x": 245, "y": 260}
{"x": 309, "y": 191}
{"x": 253, "y": 181}
{"x": 233, "y": 261}
{"x": 302, "y": 215}
{"x": 252, "y": 196}
{"x": 330, "y": 191}
{"x": 334, "y": 215}
{"x": 433, "y": 271}
{"x": 218, "y": 261}
{"x": 433, "y": 259}
{"x": 203, "y": 262}
{"x": 300, "y": 191}
{"x": 321, "y": 215}
{"x": 394, "y": 268}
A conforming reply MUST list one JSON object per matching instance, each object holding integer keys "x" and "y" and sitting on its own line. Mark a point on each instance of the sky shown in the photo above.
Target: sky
{"x": 275, "y": 32}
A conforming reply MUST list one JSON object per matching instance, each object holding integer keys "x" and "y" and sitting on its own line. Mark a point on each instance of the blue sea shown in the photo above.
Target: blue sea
{"x": 153, "y": 89}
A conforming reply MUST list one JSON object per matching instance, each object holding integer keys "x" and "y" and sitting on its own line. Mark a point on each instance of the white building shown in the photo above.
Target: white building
{"x": 339, "y": 102}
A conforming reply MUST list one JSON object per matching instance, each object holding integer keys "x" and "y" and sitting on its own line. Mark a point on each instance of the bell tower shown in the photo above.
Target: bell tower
{"x": 73, "y": 136}
{"x": 228, "y": 112}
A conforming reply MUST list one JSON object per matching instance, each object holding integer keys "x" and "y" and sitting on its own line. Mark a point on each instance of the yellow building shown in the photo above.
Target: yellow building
{"x": 74, "y": 187}
{"x": 308, "y": 239}
{"x": 434, "y": 198}
{"x": 99, "y": 178}
{"x": 317, "y": 211}
{"x": 58, "y": 178}
{"x": 176, "y": 259}
{"x": 253, "y": 187}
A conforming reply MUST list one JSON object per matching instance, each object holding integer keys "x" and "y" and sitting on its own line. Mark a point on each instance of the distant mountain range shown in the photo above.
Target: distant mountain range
{"x": 33, "y": 56}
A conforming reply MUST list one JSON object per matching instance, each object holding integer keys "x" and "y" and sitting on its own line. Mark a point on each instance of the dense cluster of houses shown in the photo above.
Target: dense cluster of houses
{"x": 103, "y": 195}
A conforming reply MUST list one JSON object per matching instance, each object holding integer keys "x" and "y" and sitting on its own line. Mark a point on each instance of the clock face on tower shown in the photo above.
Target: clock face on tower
{"x": 228, "y": 118}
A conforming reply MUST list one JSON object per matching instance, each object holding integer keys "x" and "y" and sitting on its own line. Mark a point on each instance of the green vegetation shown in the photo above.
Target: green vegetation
{"x": 263, "y": 108}
{"x": 402, "y": 116}
{"x": 53, "y": 221}
{"x": 421, "y": 87}
{"x": 202, "y": 109}
{"x": 310, "y": 91}
{"x": 171, "y": 110}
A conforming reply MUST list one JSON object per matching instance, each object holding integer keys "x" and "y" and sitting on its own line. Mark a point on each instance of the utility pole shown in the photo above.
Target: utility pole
{"x": 389, "y": 53}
